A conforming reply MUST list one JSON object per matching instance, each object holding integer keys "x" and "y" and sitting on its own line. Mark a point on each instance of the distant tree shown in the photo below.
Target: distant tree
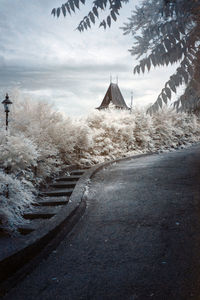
{"x": 165, "y": 32}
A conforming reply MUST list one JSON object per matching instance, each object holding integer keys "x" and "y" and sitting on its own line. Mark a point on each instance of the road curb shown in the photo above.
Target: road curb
{"x": 16, "y": 262}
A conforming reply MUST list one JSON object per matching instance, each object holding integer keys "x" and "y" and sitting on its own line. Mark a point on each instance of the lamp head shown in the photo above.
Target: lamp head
{"x": 6, "y": 102}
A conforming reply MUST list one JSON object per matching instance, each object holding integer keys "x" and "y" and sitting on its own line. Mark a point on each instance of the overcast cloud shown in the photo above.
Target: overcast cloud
{"x": 48, "y": 59}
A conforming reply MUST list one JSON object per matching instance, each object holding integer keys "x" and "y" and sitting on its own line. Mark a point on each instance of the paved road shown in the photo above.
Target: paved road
{"x": 139, "y": 238}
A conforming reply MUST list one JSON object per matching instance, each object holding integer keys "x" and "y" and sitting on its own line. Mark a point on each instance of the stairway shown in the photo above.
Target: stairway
{"x": 50, "y": 202}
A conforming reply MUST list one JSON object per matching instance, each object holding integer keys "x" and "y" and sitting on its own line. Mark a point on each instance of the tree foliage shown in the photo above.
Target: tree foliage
{"x": 165, "y": 32}
{"x": 98, "y": 5}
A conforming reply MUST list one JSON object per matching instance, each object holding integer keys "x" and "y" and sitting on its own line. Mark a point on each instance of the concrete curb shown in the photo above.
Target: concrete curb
{"x": 20, "y": 259}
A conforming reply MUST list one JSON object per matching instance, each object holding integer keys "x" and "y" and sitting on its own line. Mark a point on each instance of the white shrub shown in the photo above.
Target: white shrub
{"x": 17, "y": 152}
{"x": 20, "y": 198}
{"x": 42, "y": 138}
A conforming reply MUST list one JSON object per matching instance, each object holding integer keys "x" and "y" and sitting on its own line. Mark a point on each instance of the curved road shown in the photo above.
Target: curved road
{"x": 138, "y": 239}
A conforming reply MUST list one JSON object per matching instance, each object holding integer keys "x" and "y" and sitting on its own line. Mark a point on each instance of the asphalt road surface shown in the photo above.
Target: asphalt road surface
{"x": 138, "y": 239}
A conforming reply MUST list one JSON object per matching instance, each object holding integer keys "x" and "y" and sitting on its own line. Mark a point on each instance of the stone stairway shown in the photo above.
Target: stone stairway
{"x": 50, "y": 218}
{"x": 50, "y": 202}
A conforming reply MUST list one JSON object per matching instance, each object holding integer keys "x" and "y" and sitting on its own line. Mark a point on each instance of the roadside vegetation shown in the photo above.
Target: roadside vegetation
{"x": 41, "y": 142}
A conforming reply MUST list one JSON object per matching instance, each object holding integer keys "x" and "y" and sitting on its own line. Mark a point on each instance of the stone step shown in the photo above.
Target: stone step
{"x": 37, "y": 215}
{"x": 30, "y": 227}
{"x": 63, "y": 184}
{"x": 52, "y": 201}
{"x": 24, "y": 230}
{"x": 68, "y": 178}
{"x": 57, "y": 193}
{"x": 77, "y": 172}
{"x": 41, "y": 212}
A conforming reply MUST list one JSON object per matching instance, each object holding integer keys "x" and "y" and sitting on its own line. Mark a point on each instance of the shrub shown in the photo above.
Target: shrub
{"x": 41, "y": 138}
{"x": 21, "y": 196}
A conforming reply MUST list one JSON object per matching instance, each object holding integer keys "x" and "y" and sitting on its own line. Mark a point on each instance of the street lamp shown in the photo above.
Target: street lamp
{"x": 6, "y": 104}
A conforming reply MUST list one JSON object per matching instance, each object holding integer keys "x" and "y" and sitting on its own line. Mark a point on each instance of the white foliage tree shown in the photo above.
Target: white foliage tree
{"x": 40, "y": 137}
{"x": 18, "y": 153}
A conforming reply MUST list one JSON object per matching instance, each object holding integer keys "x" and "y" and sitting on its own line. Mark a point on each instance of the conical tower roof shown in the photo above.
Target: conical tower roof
{"x": 114, "y": 96}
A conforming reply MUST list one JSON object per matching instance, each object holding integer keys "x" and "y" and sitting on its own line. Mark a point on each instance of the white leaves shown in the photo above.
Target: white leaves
{"x": 43, "y": 138}
{"x": 20, "y": 198}
{"x": 98, "y": 137}
{"x": 17, "y": 152}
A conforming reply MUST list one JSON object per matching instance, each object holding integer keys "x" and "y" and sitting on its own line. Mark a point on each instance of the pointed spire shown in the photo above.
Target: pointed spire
{"x": 110, "y": 78}
{"x": 131, "y": 101}
{"x": 114, "y": 96}
{"x": 117, "y": 79}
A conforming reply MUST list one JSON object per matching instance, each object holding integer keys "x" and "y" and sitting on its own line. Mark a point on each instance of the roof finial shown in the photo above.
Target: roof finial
{"x": 110, "y": 78}
{"x": 131, "y": 102}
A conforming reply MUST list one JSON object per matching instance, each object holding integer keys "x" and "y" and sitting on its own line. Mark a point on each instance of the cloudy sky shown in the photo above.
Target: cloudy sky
{"x": 48, "y": 59}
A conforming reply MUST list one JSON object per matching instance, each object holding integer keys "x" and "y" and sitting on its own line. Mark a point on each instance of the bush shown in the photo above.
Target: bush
{"x": 21, "y": 196}
{"x": 40, "y": 138}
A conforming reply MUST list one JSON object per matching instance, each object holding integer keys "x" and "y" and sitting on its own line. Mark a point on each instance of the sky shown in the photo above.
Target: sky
{"x": 45, "y": 58}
